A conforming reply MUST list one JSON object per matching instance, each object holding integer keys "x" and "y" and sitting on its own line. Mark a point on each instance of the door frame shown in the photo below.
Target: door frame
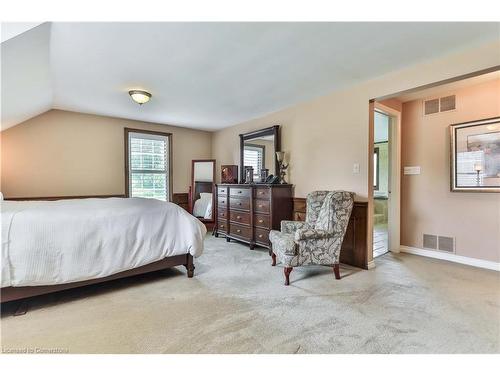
{"x": 394, "y": 200}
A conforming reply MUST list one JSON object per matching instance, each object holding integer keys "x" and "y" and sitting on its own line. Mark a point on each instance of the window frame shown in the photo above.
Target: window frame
{"x": 127, "y": 157}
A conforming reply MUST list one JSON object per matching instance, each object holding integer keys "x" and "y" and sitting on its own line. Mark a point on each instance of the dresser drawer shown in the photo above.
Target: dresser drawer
{"x": 222, "y": 202}
{"x": 222, "y": 213}
{"x": 261, "y": 206}
{"x": 222, "y": 225}
{"x": 221, "y": 190}
{"x": 262, "y": 221}
{"x": 239, "y": 203}
{"x": 240, "y": 231}
{"x": 262, "y": 193}
{"x": 240, "y": 217}
{"x": 262, "y": 236}
{"x": 240, "y": 192}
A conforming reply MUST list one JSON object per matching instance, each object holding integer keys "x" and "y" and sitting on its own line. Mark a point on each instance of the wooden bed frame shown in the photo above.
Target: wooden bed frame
{"x": 16, "y": 293}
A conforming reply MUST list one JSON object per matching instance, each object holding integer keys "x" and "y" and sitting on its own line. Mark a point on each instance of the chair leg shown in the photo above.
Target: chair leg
{"x": 287, "y": 274}
{"x": 273, "y": 255}
{"x": 336, "y": 271}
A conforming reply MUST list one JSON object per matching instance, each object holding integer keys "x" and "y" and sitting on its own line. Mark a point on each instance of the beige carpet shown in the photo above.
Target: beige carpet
{"x": 237, "y": 303}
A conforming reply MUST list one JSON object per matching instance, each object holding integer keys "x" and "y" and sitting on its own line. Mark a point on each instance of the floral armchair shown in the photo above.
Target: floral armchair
{"x": 317, "y": 240}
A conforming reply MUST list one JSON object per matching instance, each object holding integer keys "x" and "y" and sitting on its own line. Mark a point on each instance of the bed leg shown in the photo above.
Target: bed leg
{"x": 22, "y": 308}
{"x": 190, "y": 266}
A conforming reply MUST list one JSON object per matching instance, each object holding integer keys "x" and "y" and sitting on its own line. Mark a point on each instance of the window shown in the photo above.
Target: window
{"x": 376, "y": 168}
{"x": 254, "y": 157}
{"x": 147, "y": 167}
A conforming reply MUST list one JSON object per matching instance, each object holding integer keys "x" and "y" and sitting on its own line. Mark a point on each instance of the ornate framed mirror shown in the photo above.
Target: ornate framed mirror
{"x": 201, "y": 192}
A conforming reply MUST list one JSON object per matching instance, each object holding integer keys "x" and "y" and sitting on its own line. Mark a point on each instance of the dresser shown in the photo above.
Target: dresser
{"x": 248, "y": 212}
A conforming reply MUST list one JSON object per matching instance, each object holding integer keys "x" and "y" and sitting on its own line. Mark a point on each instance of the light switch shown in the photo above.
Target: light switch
{"x": 355, "y": 168}
{"x": 411, "y": 170}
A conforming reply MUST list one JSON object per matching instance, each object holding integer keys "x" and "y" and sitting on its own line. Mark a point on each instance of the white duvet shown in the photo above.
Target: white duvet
{"x": 46, "y": 243}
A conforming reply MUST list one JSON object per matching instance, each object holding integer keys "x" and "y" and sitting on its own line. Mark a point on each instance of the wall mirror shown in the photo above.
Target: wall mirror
{"x": 201, "y": 192}
{"x": 258, "y": 150}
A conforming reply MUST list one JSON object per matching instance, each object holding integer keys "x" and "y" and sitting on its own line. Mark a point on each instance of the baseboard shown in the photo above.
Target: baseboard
{"x": 452, "y": 258}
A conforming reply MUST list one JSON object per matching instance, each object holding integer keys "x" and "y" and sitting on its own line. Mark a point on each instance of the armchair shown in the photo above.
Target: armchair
{"x": 317, "y": 240}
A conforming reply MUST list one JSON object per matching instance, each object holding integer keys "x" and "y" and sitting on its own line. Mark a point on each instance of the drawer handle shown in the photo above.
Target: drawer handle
{"x": 238, "y": 230}
{"x": 223, "y": 201}
{"x": 239, "y": 192}
{"x": 260, "y": 206}
{"x": 238, "y": 217}
{"x": 261, "y": 221}
{"x": 261, "y": 192}
{"x": 222, "y": 225}
{"x": 260, "y": 235}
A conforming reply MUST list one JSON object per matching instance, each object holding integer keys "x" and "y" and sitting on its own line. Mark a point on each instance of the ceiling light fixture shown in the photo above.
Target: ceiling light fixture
{"x": 140, "y": 96}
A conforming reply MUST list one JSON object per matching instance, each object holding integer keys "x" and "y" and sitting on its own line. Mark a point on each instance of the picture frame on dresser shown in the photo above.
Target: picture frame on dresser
{"x": 229, "y": 174}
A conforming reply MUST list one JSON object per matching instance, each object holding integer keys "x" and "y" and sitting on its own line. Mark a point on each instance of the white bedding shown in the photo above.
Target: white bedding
{"x": 47, "y": 243}
{"x": 203, "y": 206}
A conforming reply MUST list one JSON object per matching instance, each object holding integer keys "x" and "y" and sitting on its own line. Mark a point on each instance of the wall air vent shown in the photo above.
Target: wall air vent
{"x": 431, "y": 106}
{"x": 446, "y": 244}
{"x": 444, "y": 104}
{"x": 447, "y": 103}
{"x": 430, "y": 241}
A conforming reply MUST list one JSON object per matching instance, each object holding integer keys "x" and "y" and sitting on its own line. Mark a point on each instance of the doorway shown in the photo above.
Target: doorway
{"x": 386, "y": 151}
{"x": 381, "y": 183}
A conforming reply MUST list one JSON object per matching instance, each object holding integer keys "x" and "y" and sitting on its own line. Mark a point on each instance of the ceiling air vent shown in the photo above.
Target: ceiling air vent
{"x": 444, "y": 104}
{"x": 430, "y": 241}
{"x": 431, "y": 106}
{"x": 447, "y": 103}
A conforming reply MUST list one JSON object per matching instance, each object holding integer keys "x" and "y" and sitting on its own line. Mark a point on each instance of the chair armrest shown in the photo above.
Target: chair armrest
{"x": 290, "y": 227}
{"x": 312, "y": 234}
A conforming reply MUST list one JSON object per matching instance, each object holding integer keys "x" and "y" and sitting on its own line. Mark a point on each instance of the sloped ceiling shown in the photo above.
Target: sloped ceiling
{"x": 25, "y": 73}
{"x": 210, "y": 75}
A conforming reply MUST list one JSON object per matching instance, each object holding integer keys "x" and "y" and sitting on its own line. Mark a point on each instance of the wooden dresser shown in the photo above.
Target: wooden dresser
{"x": 248, "y": 212}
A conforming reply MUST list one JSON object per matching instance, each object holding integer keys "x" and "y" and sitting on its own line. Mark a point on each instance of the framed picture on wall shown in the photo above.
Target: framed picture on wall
{"x": 475, "y": 156}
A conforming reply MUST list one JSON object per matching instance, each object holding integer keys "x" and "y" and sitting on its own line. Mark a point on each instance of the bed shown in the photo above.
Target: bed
{"x": 54, "y": 245}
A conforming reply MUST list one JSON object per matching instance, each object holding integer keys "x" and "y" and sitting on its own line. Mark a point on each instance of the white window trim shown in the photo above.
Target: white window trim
{"x": 138, "y": 133}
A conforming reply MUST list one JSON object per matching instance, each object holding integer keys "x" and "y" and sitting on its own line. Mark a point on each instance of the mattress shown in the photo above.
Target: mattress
{"x": 58, "y": 242}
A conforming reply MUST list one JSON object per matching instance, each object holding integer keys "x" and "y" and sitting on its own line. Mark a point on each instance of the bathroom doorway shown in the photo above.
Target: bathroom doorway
{"x": 386, "y": 165}
{"x": 381, "y": 183}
